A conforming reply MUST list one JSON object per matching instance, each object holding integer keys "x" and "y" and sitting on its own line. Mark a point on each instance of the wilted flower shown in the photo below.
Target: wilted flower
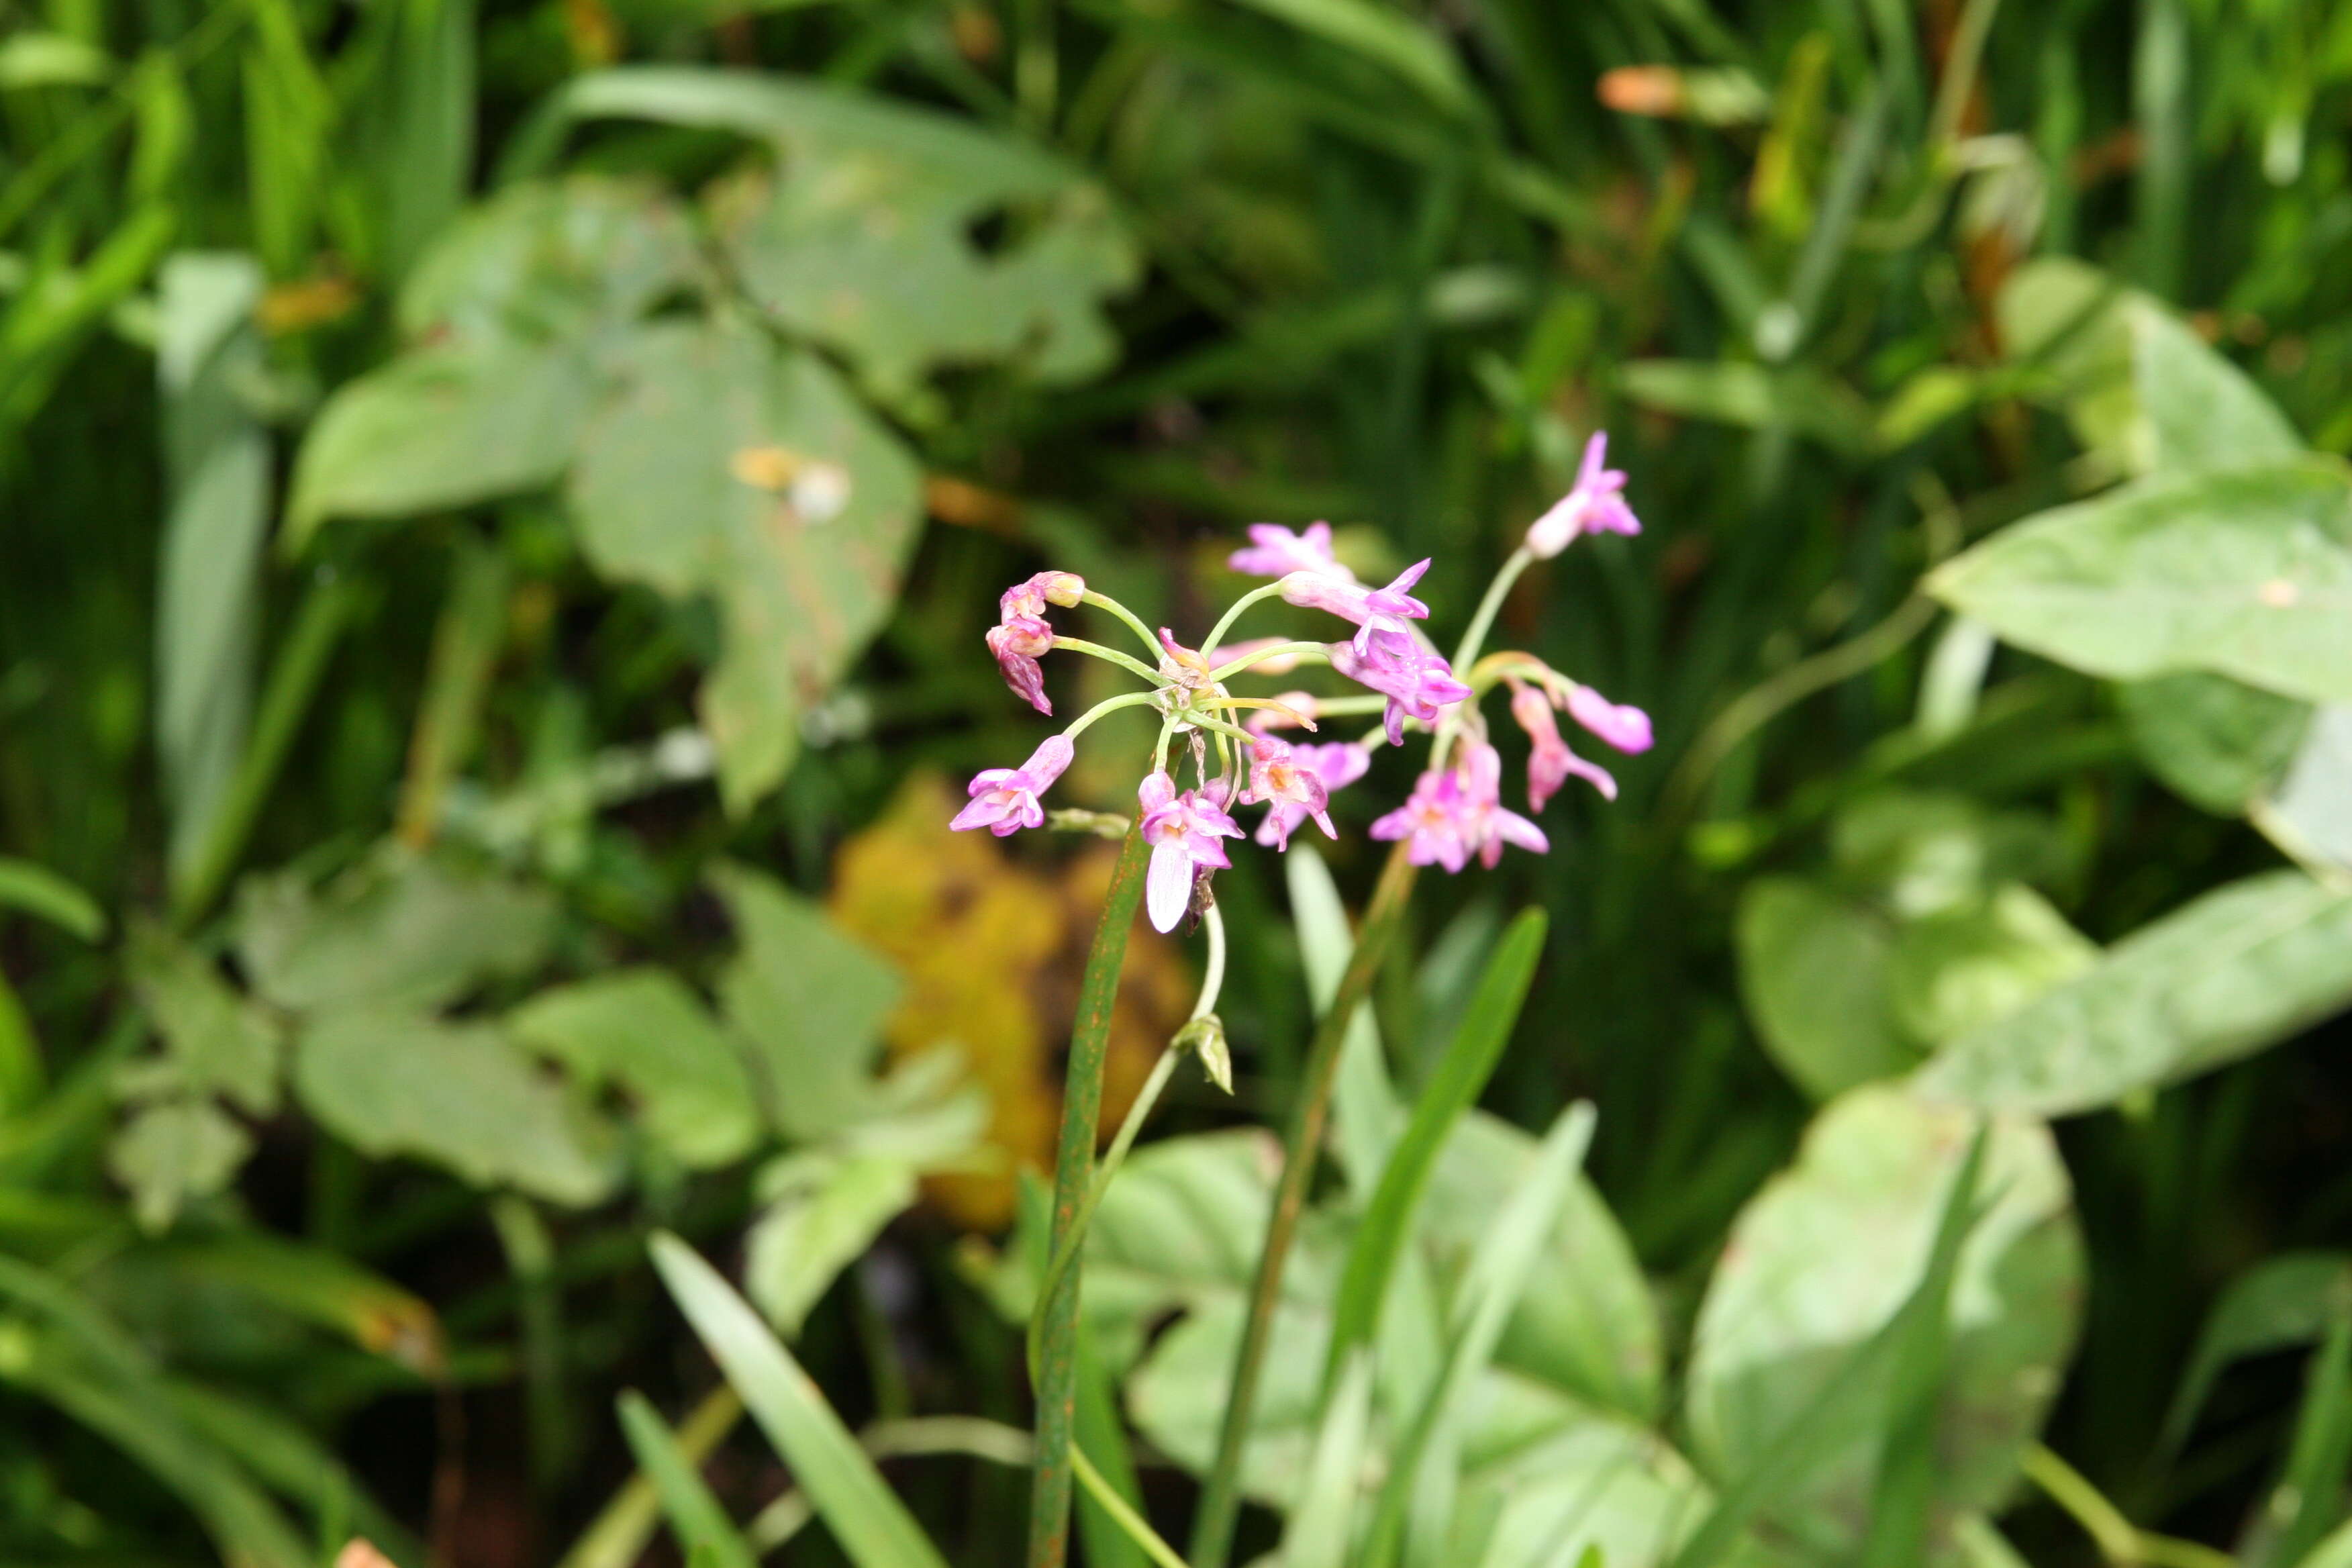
{"x": 1030, "y": 599}
{"x": 1623, "y": 726}
{"x": 1275, "y": 550}
{"x": 1183, "y": 831}
{"x": 1334, "y": 766}
{"x": 1458, "y": 813}
{"x": 1417, "y": 683}
{"x": 1004, "y": 800}
{"x": 1551, "y": 763}
{"x": 1594, "y": 505}
{"x": 1377, "y": 612}
{"x": 1017, "y": 645}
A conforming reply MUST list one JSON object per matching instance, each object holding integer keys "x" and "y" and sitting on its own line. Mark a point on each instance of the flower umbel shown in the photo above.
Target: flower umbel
{"x": 1184, "y": 832}
{"x": 1418, "y": 684}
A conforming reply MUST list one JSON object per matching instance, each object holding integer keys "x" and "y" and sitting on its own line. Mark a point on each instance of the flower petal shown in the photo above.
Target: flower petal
{"x": 1168, "y": 886}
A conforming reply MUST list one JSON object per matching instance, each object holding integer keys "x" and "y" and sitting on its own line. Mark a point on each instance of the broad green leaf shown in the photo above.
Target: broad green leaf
{"x": 2217, "y": 743}
{"x": 2310, "y": 815}
{"x": 1961, "y": 968}
{"x": 701, "y": 1523}
{"x": 1388, "y": 1220}
{"x": 219, "y": 1041}
{"x": 643, "y": 1030}
{"x": 208, "y": 362}
{"x": 1823, "y": 1258}
{"x": 451, "y": 424}
{"x": 461, "y": 1095}
{"x": 2280, "y": 1302}
{"x": 2135, "y": 381}
{"x": 551, "y": 262}
{"x": 38, "y": 890}
{"x": 1586, "y": 1322}
{"x": 2202, "y": 412}
{"x": 169, "y": 1153}
{"x": 2244, "y": 572}
{"x": 808, "y": 1000}
{"x": 822, "y": 1215}
{"x": 1597, "y": 1491}
{"x": 1814, "y": 970}
{"x": 862, "y": 239}
{"x": 725, "y": 465}
{"x": 396, "y": 928}
{"x": 2226, "y": 976}
{"x": 1918, "y": 851}
{"x": 870, "y": 1524}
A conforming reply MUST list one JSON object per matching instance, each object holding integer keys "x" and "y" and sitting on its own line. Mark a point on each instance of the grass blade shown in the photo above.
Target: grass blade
{"x": 849, "y": 1494}
{"x": 701, "y": 1525}
{"x": 1461, "y": 1076}
{"x": 1317, "y": 1534}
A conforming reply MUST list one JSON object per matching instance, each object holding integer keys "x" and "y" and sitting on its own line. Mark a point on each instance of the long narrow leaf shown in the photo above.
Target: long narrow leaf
{"x": 695, "y": 1515}
{"x": 872, "y": 1525}
{"x": 1461, "y": 1074}
{"x": 1317, "y": 1534}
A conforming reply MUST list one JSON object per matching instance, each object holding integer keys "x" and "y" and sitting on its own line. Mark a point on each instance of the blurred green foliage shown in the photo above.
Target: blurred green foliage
{"x": 499, "y": 493}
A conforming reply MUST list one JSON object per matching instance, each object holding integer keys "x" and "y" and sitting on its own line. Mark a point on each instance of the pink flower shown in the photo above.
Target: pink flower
{"x": 1183, "y": 831}
{"x": 1418, "y": 684}
{"x": 1332, "y": 766}
{"x": 1030, "y": 599}
{"x": 1274, "y": 552}
{"x": 1375, "y": 611}
{"x": 1004, "y": 800}
{"x": 1454, "y": 815}
{"x": 1623, "y": 726}
{"x": 1017, "y": 645}
{"x": 1594, "y": 506}
{"x": 1551, "y": 764}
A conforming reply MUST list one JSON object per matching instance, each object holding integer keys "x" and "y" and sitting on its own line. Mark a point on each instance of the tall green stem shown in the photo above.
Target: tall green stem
{"x": 1049, "y": 1496}
{"x": 1213, "y": 1527}
{"x": 1483, "y": 621}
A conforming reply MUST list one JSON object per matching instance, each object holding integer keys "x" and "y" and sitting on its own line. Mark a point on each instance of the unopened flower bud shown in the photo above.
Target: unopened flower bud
{"x": 1205, "y": 1037}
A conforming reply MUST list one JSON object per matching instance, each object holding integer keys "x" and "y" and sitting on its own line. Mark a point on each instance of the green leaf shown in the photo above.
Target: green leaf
{"x": 1814, "y": 969}
{"x": 2218, "y": 744}
{"x": 1588, "y": 1321}
{"x": 462, "y": 1095}
{"x": 1755, "y": 397}
{"x": 2246, "y": 573}
{"x": 2310, "y": 813}
{"x": 1317, "y": 1534}
{"x": 862, "y": 239}
{"x": 2228, "y": 975}
{"x": 220, "y": 1042}
{"x": 169, "y": 1153}
{"x": 807, "y": 999}
{"x": 208, "y": 592}
{"x": 872, "y": 1526}
{"x": 1388, "y": 1220}
{"x": 1962, "y": 968}
{"x": 1365, "y": 1117}
{"x": 701, "y": 1525}
{"x": 1825, "y": 1255}
{"x": 725, "y": 465}
{"x": 38, "y": 890}
{"x": 447, "y": 426}
{"x": 822, "y": 1215}
{"x": 552, "y": 261}
{"x": 1394, "y": 39}
{"x": 2202, "y": 410}
{"x": 1595, "y": 1494}
{"x": 2280, "y": 1302}
{"x": 398, "y": 929}
{"x": 643, "y": 1030}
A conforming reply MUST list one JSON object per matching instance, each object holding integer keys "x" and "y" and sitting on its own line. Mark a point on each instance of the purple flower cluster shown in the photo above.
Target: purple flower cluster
{"x": 1455, "y": 813}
